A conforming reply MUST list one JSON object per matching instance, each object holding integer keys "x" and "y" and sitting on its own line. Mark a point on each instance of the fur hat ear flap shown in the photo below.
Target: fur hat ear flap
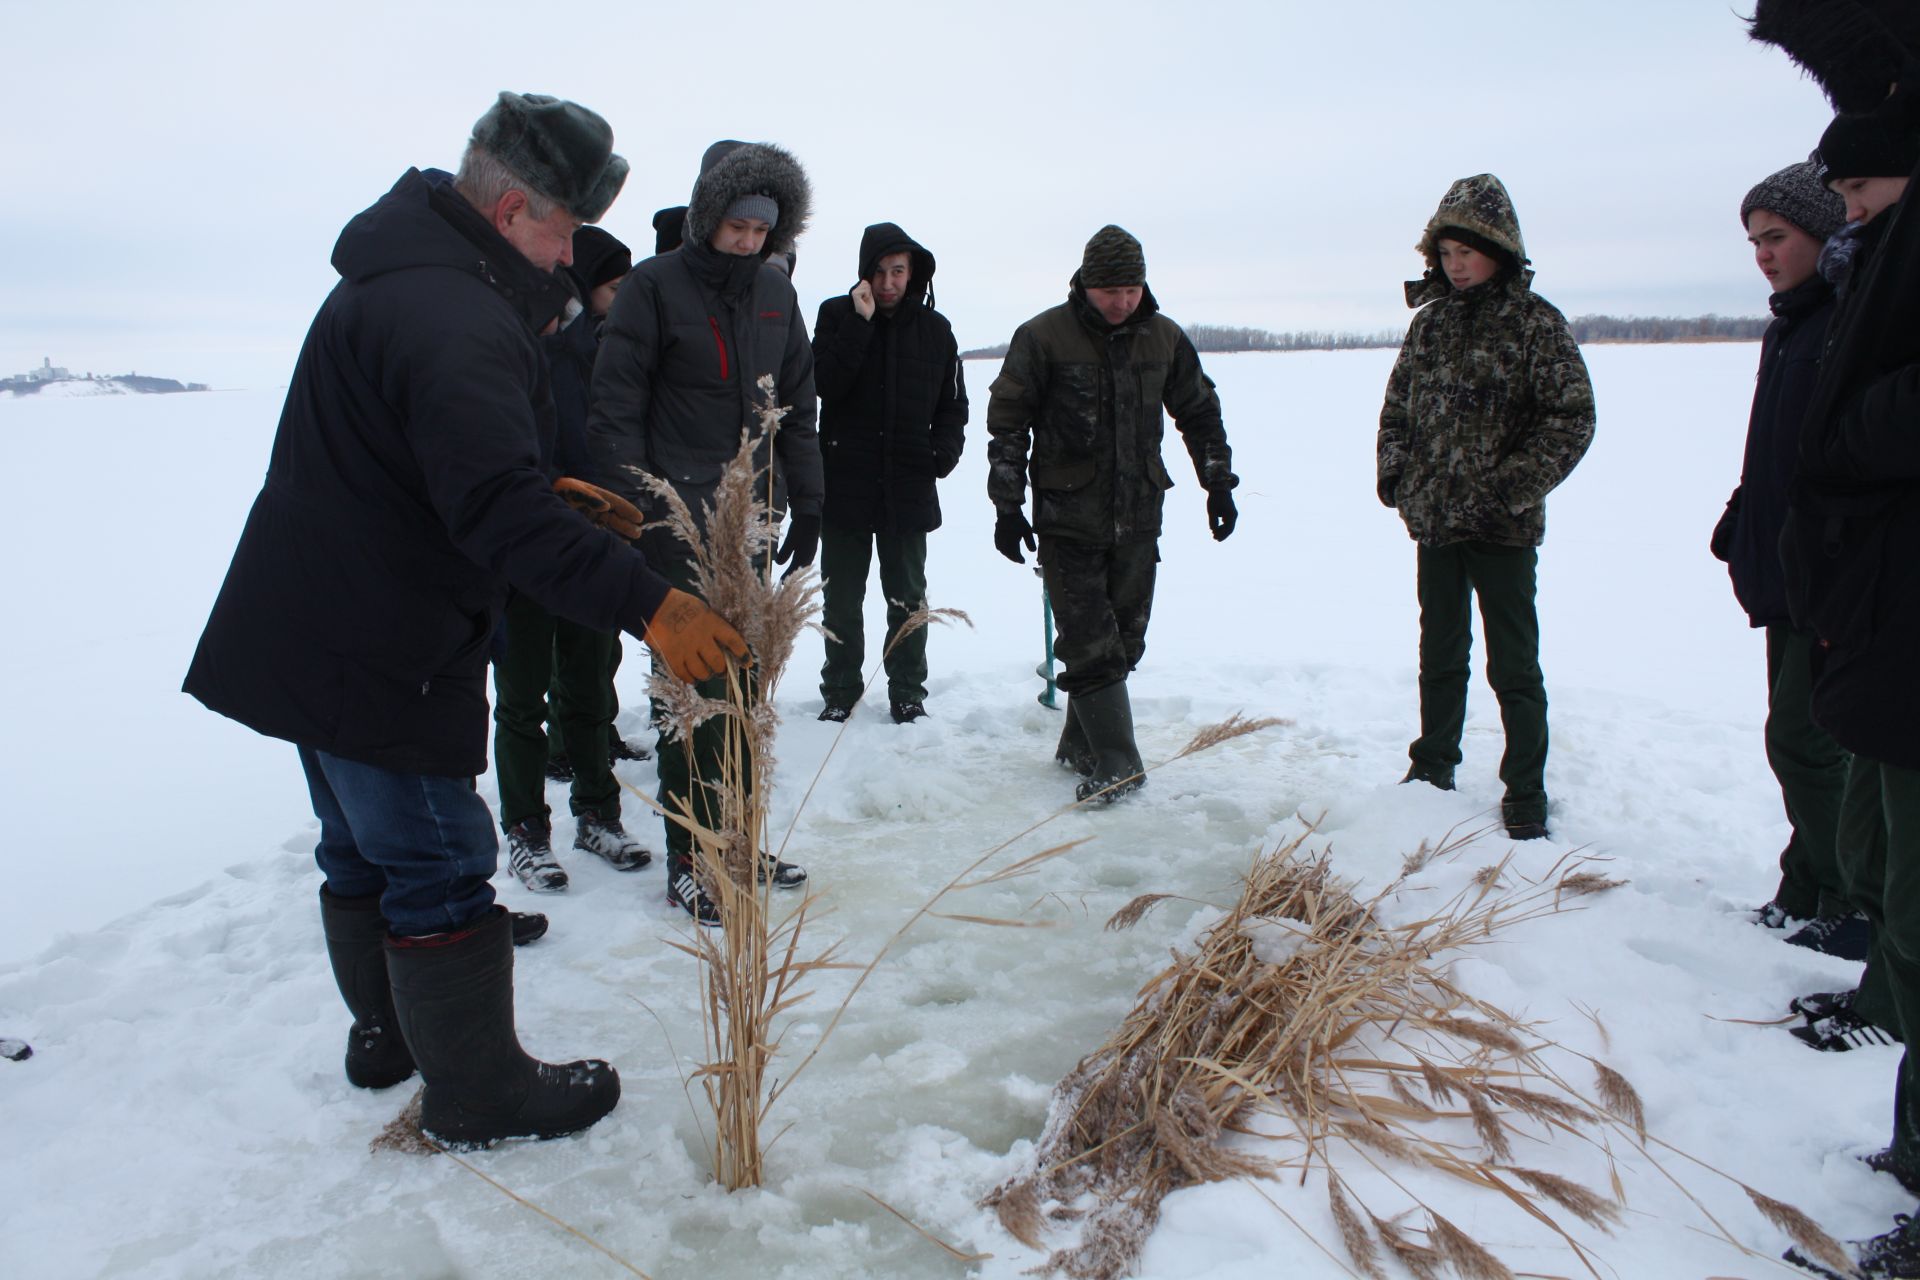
{"x": 563, "y": 150}
{"x": 1855, "y": 49}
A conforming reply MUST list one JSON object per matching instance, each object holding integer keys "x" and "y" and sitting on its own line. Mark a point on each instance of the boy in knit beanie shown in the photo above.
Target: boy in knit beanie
{"x": 1788, "y": 217}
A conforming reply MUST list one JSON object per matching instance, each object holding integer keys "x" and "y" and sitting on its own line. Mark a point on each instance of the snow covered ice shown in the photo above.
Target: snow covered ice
{"x": 184, "y": 1113}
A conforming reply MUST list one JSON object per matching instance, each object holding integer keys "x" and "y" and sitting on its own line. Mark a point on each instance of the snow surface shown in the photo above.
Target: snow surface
{"x": 184, "y": 1113}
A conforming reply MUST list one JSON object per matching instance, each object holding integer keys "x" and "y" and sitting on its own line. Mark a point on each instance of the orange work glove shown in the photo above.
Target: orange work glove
{"x": 602, "y": 506}
{"x": 692, "y": 639}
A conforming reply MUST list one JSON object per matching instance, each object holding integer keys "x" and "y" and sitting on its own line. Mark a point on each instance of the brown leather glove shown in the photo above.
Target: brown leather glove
{"x": 602, "y": 506}
{"x": 692, "y": 639}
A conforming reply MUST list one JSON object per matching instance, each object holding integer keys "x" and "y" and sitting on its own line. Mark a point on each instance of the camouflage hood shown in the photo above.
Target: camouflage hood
{"x": 1479, "y": 204}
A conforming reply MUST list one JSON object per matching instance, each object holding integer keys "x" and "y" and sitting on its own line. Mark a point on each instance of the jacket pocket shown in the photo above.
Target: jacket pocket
{"x": 1063, "y": 477}
{"x": 1157, "y": 472}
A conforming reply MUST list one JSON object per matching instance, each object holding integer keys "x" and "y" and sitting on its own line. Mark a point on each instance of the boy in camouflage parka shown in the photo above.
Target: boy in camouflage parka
{"x": 1488, "y": 408}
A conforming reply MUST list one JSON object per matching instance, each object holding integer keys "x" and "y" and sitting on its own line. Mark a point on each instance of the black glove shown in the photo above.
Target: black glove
{"x": 1221, "y": 513}
{"x": 802, "y": 544}
{"x": 1389, "y": 490}
{"x": 1010, "y": 529}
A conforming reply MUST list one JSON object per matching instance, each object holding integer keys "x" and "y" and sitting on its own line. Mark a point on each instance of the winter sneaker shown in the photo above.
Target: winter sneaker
{"x": 15, "y": 1050}
{"x": 1527, "y": 831}
{"x": 684, "y": 892}
{"x": 781, "y": 875}
{"x": 907, "y": 712}
{"x": 530, "y": 857}
{"x": 1904, "y": 1171}
{"x": 1845, "y": 936}
{"x": 836, "y": 713}
{"x": 1442, "y": 779}
{"x": 1895, "y": 1255}
{"x": 1823, "y": 1004}
{"x": 618, "y": 749}
{"x": 607, "y": 839}
{"x": 1840, "y": 1032}
{"x": 528, "y": 926}
{"x": 559, "y": 769}
{"x": 1771, "y": 916}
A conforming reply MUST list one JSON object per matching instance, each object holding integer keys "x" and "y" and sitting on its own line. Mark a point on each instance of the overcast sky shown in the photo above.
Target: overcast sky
{"x": 177, "y": 173}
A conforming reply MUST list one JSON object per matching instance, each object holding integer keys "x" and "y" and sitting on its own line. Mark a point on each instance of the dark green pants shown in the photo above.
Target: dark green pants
{"x": 1503, "y": 578}
{"x": 845, "y": 559}
{"x": 556, "y": 739}
{"x": 1812, "y": 769}
{"x": 1883, "y": 878}
{"x": 691, "y": 769}
{"x": 1102, "y": 602}
{"x": 544, "y": 652}
{"x": 1862, "y": 864}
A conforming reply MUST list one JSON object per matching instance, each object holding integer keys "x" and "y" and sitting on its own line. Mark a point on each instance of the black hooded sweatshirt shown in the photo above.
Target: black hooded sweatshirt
{"x": 893, "y": 399}
{"x": 407, "y": 489}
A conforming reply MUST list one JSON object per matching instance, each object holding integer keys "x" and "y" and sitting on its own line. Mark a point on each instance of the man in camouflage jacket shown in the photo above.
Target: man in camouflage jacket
{"x": 1077, "y": 409}
{"x": 1488, "y": 408}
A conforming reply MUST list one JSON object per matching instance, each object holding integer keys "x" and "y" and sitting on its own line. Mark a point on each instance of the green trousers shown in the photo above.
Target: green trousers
{"x": 1503, "y": 578}
{"x": 1862, "y": 868}
{"x": 845, "y": 559}
{"x": 544, "y": 652}
{"x": 556, "y": 739}
{"x": 1883, "y": 879}
{"x": 1812, "y": 769}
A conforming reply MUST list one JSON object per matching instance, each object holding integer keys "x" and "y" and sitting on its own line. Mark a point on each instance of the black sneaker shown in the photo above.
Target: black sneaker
{"x": 559, "y": 769}
{"x": 1440, "y": 778}
{"x": 618, "y": 749}
{"x": 530, "y": 857}
{"x": 1527, "y": 831}
{"x": 1840, "y": 1032}
{"x": 684, "y": 892}
{"x": 606, "y": 839}
{"x": 1894, "y": 1255}
{"x": 835, "y": 713}
{"x": 528, "y": 926}
{"x": 1823, "y": 1004}
{"x": 1771, "y": 916}
{"x": 781, "y": 875}
{"x": 1904, "y": 1171}
{"x": 907, "y": 712}
{"x": 1845, "y": 936}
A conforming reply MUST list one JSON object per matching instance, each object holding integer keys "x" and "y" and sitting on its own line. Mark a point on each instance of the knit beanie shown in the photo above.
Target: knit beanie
{"x": 1871, "y": 144}
{"x": 561, "y": 149}
{"x": 1798, "y": 194}
{"x": 1112, "y": 260}
{"x": 755, "y": 206}
{"x": 669, "y": 228}
{"x": 598, "y": 257}
{"x": 1480, "y": 244}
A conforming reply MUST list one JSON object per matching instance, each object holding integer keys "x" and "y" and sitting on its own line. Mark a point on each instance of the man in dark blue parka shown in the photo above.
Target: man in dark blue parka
{"x": 405, "y": 493}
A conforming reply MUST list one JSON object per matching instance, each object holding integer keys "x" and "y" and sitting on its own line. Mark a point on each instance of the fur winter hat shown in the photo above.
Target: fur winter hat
{"x": 563, "y": 150}
{"x": 1113, "y": 259}
{"x": 1856, "y": 49}
{"x": 731, "y": 170}
{"x": 1871, "y": 144}
{"x": 1800, "y": 195}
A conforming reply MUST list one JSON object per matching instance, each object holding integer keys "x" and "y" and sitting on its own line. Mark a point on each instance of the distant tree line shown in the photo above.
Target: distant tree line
{"x": 1219, "y": 337}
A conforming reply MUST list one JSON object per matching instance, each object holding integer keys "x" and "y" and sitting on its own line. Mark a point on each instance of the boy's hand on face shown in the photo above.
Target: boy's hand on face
{"x": 862, "y": 295}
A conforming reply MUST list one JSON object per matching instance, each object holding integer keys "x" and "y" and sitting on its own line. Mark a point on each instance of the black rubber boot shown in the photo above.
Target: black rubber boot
{"x": 1106, "y": 717}
{"x": 454, "y": 995}
{"x": 377, "y": 1057}
{"x": 1073, "y": 752}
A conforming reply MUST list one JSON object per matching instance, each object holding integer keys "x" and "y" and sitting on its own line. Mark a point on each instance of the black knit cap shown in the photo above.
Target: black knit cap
{"x": 563, "y": 150}
{"x": 1871, "y": 144}
{"x": 1799, "y": 194}
{"x": 1480, "y": 244}
{"x": 598, "y": 257}
{"x": 1113, "y": 260}
{"x": 669, "y": 228}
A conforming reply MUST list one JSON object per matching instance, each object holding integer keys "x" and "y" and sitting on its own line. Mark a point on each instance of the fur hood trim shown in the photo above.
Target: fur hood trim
{"x": 1854, "y": 49}
{"x": 731, "y": 170}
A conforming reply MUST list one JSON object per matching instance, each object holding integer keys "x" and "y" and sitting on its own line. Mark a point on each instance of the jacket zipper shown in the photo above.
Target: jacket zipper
{"x": 721, "y": 343}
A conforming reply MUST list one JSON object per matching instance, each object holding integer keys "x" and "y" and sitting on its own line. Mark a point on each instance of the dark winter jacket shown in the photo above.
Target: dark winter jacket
{"x": 570, "y": 354}
{"x": 1748, "y": 535}
{"x": 404, "y": 494}
{"x": 893, "y": 400}
{"x": 1085, "y": 398}
{"x": 1852, "y": 540}
{"x": 1489, "y": 406}
{"x": 689, "y": 335}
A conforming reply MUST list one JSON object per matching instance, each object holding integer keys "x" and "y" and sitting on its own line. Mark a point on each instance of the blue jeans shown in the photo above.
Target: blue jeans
{"x": 424, "y": 844}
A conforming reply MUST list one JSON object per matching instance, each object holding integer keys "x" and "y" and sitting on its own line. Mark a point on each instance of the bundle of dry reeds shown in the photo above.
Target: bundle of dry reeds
{"x": 1303, "y": 1004}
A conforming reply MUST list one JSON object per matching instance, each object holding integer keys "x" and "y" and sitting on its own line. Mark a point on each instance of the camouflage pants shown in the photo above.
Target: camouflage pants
{"x": 1503, "y": 578}
{"x": 1102, "y": 598}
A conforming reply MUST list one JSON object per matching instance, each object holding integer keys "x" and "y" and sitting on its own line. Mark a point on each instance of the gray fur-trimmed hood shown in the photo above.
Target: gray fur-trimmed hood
{"x": 730, "y": 170}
